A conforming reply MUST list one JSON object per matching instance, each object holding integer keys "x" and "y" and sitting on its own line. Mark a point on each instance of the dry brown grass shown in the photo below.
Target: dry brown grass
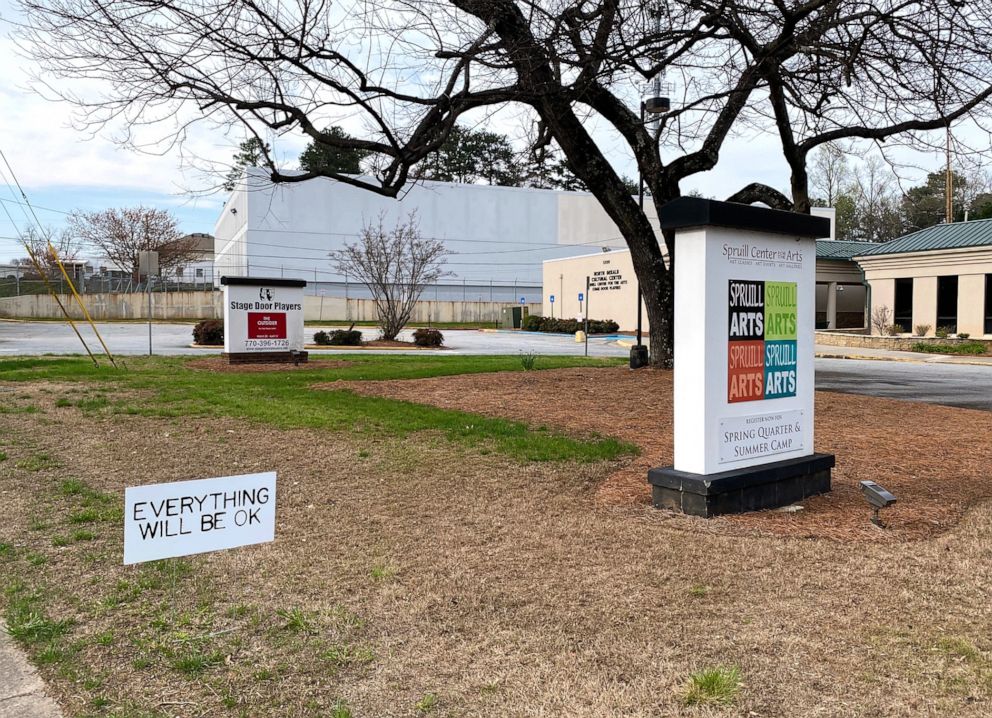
{"x": 504, "y": 589}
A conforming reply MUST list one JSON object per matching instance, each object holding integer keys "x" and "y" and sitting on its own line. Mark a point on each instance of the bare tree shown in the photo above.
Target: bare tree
{"x": 121, "y": 234}
{"x": 881, "y": 319}
{"x": 807, "y": 72}
{"x": 45, "y": 244}
{"x": 829, "y": 173}
{"x": 396, "y": 265}
{"x": 878, "y": 212}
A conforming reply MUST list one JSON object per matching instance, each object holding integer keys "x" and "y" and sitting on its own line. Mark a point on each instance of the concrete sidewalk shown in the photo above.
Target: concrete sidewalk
{"x": 824, "y": 351}
{"x": 22, "y": 693}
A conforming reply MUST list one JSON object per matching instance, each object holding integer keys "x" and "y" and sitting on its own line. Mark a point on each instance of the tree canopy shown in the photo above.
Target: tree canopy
{"x": 806, "y": 72}
{"x": 250, "y": 154}
{"x": 872, "y": 206}
{"x": 121, "y": 234}
{"x": 324, "y": 154}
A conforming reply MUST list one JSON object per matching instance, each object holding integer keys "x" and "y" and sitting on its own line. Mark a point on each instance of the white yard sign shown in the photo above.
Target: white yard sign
{"x": 189, "y": 517}
{"x": 262, "y": 315}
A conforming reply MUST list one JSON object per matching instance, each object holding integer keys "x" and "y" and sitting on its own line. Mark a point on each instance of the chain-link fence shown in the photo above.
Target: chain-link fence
{"x": 13, "y": 285}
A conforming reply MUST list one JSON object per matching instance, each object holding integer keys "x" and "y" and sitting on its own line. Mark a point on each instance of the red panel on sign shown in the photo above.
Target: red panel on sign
{"x": 266, "y": 325}
{"x": 746, "y": 371}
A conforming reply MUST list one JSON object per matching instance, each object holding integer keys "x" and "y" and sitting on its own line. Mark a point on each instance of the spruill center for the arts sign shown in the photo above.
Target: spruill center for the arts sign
{"x": 744, "y": 335}
{"x": 761, "y": 332}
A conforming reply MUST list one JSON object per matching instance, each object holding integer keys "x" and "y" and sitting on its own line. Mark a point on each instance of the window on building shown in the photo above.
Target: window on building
{"x": 988, "y": 303}
{"x": 947, "y": 301}
{"x": 903, "y": 312}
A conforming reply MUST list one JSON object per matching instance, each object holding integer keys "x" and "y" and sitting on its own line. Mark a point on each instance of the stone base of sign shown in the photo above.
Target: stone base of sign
{"x": 266, "y": 357}
{"x": 767, "y": 486}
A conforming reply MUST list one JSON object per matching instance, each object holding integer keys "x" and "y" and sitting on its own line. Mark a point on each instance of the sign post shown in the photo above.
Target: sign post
{"x": 744, "y": 332}
{"x": 263, "y": 319}
{"x": 586, "y": 315}
{"x": 148, "y": 266}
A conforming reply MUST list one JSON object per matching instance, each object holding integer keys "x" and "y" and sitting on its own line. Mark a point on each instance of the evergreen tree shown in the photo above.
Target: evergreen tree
{"x": 318, "y": 156}
{"x": 250, "y": 154}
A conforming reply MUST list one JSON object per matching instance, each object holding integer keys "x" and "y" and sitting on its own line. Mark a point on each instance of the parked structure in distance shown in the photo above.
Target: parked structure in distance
{"x": 497, "y": 236}
{"x": 939, "y": 277}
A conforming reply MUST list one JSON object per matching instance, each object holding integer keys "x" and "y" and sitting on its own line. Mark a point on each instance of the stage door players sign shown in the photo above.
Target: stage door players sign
{"x": 188, "y": 517}
{"x": 761, "y": 360}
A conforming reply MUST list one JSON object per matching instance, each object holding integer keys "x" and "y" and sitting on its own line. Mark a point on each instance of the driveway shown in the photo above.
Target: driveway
{"x": 949, "y": 384}
{"x": 131, "y": 338}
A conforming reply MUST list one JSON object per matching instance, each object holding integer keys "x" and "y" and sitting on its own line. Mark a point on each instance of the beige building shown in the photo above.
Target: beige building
{"x": 840, "y": 291}
{"x": 938, "y": 277}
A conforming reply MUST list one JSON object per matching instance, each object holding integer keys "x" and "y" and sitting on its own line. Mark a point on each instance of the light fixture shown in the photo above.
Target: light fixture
{"x": 878, "y": 498}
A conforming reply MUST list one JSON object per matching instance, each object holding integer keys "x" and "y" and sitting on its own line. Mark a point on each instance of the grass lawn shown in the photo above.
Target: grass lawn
{"x": 164, "y": 387}
{"x": 434, "y": 562}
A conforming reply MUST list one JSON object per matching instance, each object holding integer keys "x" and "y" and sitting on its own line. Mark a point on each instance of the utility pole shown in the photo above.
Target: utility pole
{"x": 949, "y": 183}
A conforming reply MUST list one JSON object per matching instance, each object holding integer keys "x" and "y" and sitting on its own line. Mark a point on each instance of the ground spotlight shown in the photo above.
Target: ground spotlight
{"x": 878, "y": 497}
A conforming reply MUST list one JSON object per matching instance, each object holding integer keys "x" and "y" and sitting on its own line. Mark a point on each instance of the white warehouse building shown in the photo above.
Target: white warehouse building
{"x": 498, "y": 236}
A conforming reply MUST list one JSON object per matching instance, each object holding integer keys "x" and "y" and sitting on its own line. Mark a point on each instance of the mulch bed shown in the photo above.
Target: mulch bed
{"x": 220, "y": 364}
{"x": 937, "y": 460}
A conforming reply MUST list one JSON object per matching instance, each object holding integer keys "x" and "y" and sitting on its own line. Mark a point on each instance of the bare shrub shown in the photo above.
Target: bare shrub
{"x": 881, "y": 319}
{"x": 396, "y": 265}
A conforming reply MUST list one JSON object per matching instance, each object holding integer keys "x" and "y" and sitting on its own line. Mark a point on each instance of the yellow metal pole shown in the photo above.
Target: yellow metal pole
{"x": 79, "y": 300}
{"x": 51, "y": 290}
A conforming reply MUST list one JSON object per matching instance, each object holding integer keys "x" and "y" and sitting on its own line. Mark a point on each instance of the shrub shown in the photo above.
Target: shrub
{"x": 972, "y": 348}
{"x": 532, "y": 323}
{"x": 922, "y": 329}
{"x": 568, "y": 326}
{"x": 894, "y": 329}
{"x": 209, "y": 331}
{"x": 339, "y": 338}
{"x": 944, "y": 332}
{"x": 428, "y": 337}
{"x": 528, "y": 360}
{"x": 963, "y": 335}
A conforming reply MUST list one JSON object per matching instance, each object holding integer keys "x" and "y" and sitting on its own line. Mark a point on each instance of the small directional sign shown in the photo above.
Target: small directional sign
{"x": 581, "y": 296}
{"x": 552, "y": 298}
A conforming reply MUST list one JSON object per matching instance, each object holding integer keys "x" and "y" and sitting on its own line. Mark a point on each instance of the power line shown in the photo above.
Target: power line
{"x": 72, "y": 287}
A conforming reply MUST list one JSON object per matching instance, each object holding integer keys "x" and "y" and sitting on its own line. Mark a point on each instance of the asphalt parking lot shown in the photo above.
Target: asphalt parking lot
{"x": 949, "y": 384}
{"x": 131, "y": 338}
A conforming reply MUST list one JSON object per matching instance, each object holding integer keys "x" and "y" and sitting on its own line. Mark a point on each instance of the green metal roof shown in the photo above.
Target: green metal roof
{"x": 843, "y": 250}
{"x": 941, "y": 236}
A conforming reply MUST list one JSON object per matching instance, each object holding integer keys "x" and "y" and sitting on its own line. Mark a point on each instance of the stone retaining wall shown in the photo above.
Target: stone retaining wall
{"x": 864, "y": 341}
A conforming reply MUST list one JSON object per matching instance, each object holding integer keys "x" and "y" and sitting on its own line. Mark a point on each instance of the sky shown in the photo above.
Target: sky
{"x": 61, "y": 168}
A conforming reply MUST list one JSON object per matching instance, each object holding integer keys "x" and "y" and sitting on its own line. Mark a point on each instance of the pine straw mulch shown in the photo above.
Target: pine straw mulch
{"x": 937, "y": 460}
{"x": 220, "y": 364}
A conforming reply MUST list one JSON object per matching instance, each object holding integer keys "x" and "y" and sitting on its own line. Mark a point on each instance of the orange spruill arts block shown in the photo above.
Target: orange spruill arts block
{"x": 746, "y": 371}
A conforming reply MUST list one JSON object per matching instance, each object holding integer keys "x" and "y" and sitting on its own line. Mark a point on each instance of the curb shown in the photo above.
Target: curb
{"x": 861, "y": 357}
{"x": 937, "y": 359}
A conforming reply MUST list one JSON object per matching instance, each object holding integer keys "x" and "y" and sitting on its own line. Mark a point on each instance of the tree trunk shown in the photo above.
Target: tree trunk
{"x": 657, "y": 286}
{"x": 661, "y": 316}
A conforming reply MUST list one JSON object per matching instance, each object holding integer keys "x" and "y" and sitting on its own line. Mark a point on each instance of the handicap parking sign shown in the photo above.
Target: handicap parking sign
{"x": 523, "y": 300}
{"x": 581, "y": 296}
{"x": 552, "y": 298}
